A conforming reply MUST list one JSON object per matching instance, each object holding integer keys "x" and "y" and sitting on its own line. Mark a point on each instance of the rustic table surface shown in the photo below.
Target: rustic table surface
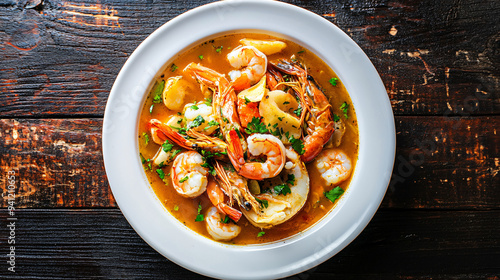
{"x": 439, "y": 61}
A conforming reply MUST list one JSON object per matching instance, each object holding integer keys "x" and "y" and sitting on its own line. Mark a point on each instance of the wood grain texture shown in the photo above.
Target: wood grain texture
{"x": 58, "y": 163}
{"x": 83, "y": 244}
{"x": 446, "y": 163}
{"x": 60, "y": 58}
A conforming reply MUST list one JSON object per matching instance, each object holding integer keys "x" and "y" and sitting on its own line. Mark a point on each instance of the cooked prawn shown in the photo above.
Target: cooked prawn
{"x": 224, "y": 99}
{"x": 251, "y": 64}
{"x": 216, "y": 196}
{"x": 258, "y": 144}
{"x": 236, "y": 187}
{"x": 195, "y": 140}
{"x": 219, "y": 230}
{"x": 333, "y": 165}
{"x": 315, "y": 105}
{"x": 189, "y": 178}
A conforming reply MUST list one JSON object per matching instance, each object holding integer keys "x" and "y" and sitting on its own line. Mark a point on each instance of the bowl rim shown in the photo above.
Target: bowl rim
{"x": 327, "y": 237}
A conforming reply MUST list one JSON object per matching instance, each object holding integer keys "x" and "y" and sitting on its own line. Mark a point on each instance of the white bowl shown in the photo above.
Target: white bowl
{"x": 181, "y": 245}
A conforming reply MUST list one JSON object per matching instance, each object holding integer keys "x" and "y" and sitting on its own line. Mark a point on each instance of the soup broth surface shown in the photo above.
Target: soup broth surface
{"x": 212, "y": 54}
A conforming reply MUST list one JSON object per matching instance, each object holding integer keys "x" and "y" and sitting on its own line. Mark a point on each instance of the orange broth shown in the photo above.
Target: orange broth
{"x": 212, "y": 54}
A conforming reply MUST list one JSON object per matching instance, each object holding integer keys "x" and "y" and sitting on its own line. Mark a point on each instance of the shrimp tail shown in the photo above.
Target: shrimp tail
{"x": 235, "y": 150}
{"x": 234, "y": 214}
{"x": 171, "y": 134}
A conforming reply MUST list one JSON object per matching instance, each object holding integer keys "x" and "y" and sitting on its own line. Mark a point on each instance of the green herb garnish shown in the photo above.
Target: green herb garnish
{"x": 334, "y": 194}
{"x": 333, "y": 81}
{"x": 196, "y": 122}
{"x": 199, "y": 217}
{"x": 183, "y": 179}
{"x": 200, "y": 56}
{"x": 176, "y": 208}
{"x": 298, "y": 111}
{"x": 260, "y": 234}
{"x": 344, "y": 107}
{"x": 157, "y": 91}
{"x": 160, "y": 173}
{"x": 263, "y": 203}
{"x": 336, "y": 118}
{"x": 175, "y": 153}
{"x": 151, "y": 108}
{"x": 283, "y": 189}
{"x": 297, "y": 145}
{"x": 174, "y": 67}
{"x": 167, "y": 147}
{"x": 256, "y": 126}
{"x": 146, "y": 137}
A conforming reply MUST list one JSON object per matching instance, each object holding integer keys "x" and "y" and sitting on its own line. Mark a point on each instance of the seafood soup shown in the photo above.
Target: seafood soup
{"x": 248, "y": 138}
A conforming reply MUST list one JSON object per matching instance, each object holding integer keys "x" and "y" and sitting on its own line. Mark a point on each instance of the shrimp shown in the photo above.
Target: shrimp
{"x": 189, "y": 178}
{"x": 218, "y": 229}
{"x": 258, "y": 144}
{"x": 281, "y": 207}
{"x": 236, "y": 187}
{"x": 315, "y": 105}
{"x": 195, "y": 140}
{"x": 252, "y": 65}
{"x": 216, "y": 196}
{"x": 333, "y": 165}
{"x": 224, "y": 99}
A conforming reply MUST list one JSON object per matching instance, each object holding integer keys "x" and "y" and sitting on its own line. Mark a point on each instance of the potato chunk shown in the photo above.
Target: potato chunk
{"x": 268, "y": 47}
{"x": 176, "y": 89}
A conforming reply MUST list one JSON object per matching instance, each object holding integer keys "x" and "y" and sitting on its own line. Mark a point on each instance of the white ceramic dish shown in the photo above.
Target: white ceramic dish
{"x": 280, "y": 259}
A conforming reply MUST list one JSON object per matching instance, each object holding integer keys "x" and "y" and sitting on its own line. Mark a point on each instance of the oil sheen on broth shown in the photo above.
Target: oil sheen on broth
{"x": 212, "y": 54}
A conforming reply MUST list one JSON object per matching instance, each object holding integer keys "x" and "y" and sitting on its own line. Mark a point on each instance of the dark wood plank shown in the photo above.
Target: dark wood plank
{"x": 58, "y": 163}
{"x": 446, "y": 163}
{"x": 83, "y": 244}
{"x": 435, "y": 58}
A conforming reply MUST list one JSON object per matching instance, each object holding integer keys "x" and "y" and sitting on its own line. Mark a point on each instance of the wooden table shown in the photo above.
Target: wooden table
{"x": 440, "y": 63}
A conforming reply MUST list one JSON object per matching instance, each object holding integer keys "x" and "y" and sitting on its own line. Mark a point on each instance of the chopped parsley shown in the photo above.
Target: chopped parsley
{"x": 146, "y": 137}
{"x": 286, "y": 102}
{"x": 297, "y": 145}
{"x": 344, "y": 107}
{"x": 143, "y": 160}
{"x": 298, "y": 111}
{"x": 200, "y": 56}
{"x": 333, "y": 81}
{"x": 301, "y": 51}
{"x": 194, "y": 107}
{"x": 256, "y": 126}
{"x": 219, "y": 49}
{"x": 208, "y": 101}
{"x": 151, "y": 108}
{"x": 336, "y": 118}
{"x": 334, "y": 193}
{"x": 183, "y": 179}
{"x": 175, "y": 153}
{"x": 157, "y": 91}
{"x": 167, "y": 147}
{"x": 174, "y": 67}
{"x": 160, "y": 173}
{"x": 210, "y": 124}
{"x": 176, "y": 208}
{"x": 291, "y": 179}
{"x": 199, "y": 217}
{"x": 196, "y": 122}
{"x": 247, "y": 100}
{"x": 283, "y": 189}
{"x": 263, "y": 203}
{"x": 260, "y": 234}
